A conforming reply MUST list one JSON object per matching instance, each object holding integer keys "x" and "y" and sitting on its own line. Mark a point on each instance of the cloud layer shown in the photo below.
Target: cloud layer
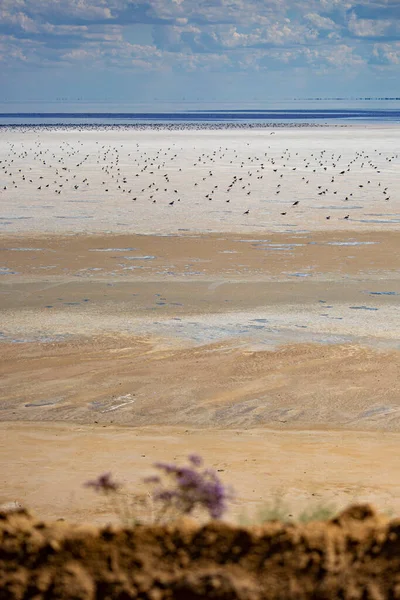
{"x": 320, "y": 37}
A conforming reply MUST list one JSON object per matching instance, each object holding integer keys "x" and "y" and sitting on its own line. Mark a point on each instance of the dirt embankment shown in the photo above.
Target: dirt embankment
{"x": 356, "y": 555}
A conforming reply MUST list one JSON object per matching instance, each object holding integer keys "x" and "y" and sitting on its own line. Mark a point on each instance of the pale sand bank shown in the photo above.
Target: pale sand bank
{"x": 146, "y": 381}
{"x": 69, "y": 180}
{"x": 90, "y": 340}
{"x": 229, "y": 324}
{"x": 262, "y": 291}
{"x": 47, "y": 464}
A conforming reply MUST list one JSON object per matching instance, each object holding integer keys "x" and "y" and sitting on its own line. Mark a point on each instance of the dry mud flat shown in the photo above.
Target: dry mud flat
{"x": 262, "y": 305}
{"x": 199, "y": 181}
{"x": 355, "y": 556}
{"x": 295, "y": 331}
{"x": 217, "y": 344}
{"x": 46, "y": 465}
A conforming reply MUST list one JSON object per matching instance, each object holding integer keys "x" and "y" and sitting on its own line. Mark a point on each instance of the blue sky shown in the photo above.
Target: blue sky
{"x": 201, "y": 51}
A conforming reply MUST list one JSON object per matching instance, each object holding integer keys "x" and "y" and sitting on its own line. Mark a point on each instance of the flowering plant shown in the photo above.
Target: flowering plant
{"x": 178, "y": 490}
{"x": 185, "y": 489}
{"x": 104, "y": 484}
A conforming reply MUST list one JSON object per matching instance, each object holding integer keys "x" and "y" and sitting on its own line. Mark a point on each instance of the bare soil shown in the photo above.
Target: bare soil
{"x": 356, "y": 555}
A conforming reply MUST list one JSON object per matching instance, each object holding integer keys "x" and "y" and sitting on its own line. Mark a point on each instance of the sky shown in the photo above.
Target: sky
{"x": 231, "y": 52}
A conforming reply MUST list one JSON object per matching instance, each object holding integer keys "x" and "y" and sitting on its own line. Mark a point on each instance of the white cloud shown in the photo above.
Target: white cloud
{"x": 18, "y": 19}
{"x": 81, "y": 9}
{"x": 386, "y": 54}
{"x": 368, "y": 27}
{"x": 323, "y": 23}
{"x": 233, "y": 35}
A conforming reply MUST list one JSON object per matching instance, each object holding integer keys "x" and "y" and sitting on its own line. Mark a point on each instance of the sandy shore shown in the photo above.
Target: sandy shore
{"x": 125, "y": 181}
{"x": 302, "y": 469}
{"x": 191, "y": 325}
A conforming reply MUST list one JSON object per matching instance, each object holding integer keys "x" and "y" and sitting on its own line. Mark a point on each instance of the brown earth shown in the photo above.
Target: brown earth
{"x": 354, "y": 556}
{"x": 44, "y": 467}
{"x": 214, "y": 254}
{"x": 137, "y": 382}
{"x": 100, "y": 363}
{"x": 92, "y": 380}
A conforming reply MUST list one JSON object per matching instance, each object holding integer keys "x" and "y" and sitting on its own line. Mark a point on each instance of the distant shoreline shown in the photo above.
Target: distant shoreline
{"x": 208, "y": 119}
{"x": 192, "y": 126}
{"x": 175, "y": 126}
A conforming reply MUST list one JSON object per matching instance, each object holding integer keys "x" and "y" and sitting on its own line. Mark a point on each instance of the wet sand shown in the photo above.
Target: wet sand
{"x": 288, "y": 180}
{"x": 284, "y": 336}
{"x": 196, "y": 289}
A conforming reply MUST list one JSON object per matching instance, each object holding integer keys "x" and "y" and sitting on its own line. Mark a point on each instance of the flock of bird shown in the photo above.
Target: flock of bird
{"x": 231, "y": 177}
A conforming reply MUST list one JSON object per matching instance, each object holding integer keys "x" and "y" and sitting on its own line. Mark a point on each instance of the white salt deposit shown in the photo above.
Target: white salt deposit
{"x": 179, "y": 181}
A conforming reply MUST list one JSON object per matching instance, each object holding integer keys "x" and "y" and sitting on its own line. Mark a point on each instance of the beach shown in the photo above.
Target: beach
{"x": 234, "y": 293}
{"x": 123, "y": 180}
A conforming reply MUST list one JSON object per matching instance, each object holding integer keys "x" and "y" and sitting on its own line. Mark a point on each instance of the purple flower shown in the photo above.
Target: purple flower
{"x": 168, "y": 468}
{"x": 195, "y": 459}
{"x": 165, "y": 495}
{"x": 187, "y": 477}
{"x": 152, "y": 479}
{"x": 191, "y": 488}
{"x": 103, "y": 483}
